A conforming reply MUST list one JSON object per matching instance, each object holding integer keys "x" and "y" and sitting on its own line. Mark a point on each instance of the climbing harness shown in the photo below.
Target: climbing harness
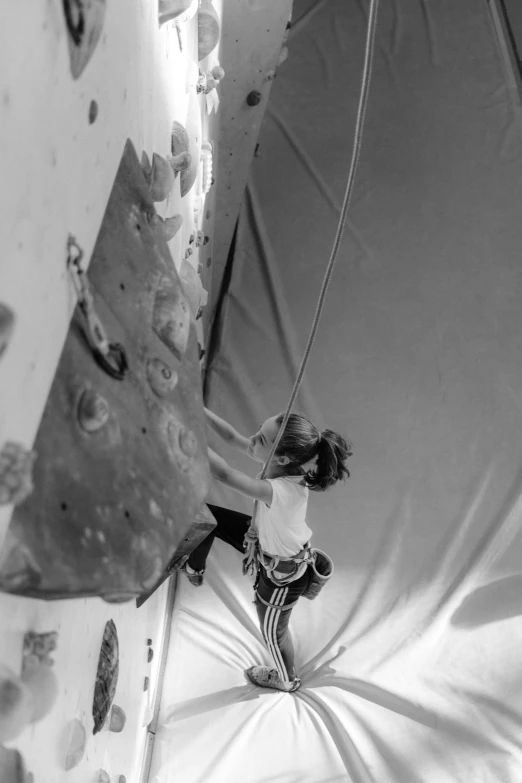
{"x": 251, "y": 543}
{"x": 110, "y": 356}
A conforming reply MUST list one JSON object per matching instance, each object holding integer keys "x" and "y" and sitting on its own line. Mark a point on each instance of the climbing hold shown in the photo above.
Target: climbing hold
{"x": 93, "y": 112}
{"x": 16, "y": 705}
{"x": 148, "y": 642}
{"x": 162, "y": 378}
{"x": 93, "y": 411}
{"x": 146, "y": 684}
{"x": 180, "y": 162}
{"x": 184, "y": 146}
{"x": 122, "y": 779}
{"x": 162, "y": 178}
{"x": 106, "y": 676}
{"x": 18, "y": 568}
{"x": 196, "y": 295}
{"x": 7, "y": 320}
{"x": 179, "y": 139}
{"x": 12, "y": 767}
{"x": 84, "y": 26}
{"x": 76, "y": 738}
{"x": 170, "y": 9}
{"x": 209, "y": 29}
{"x": 38, "y": 647}
{"x": 42, "y": 683}
{"x": 171, "y": 317}
{"x": 188, "y": 442}
{"x": 150, "y": 655}
{"x": 254, "y": 98}
{"x": 149, "y": 561}
{"x": 146, "y": 167}
{"x": 103, "y": 777}
{"x": 182, "y": 443}
{"x": 118, "y": 719}
{"x": 172, "y": 225}
{"x": 16, "y": 473}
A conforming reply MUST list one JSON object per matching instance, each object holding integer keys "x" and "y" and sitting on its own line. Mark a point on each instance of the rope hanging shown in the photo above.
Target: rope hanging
{"x": 251, "y": 537}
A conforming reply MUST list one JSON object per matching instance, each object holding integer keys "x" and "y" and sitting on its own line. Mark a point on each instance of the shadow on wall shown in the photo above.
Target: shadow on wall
{"x": 494, "y": 602}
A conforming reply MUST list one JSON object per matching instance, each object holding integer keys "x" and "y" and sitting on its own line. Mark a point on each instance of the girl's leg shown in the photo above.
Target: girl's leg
{"x": 274, "y": 621}
{"x": 231, "y": 528}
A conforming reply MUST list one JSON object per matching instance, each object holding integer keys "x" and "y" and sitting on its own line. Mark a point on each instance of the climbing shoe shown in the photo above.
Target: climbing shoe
{"x": 195, "y": 577}
{"x": 266, "y": 677}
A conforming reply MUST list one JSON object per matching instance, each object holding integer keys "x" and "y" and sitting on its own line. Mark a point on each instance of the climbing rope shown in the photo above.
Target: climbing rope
{"x": 251, "y": 536}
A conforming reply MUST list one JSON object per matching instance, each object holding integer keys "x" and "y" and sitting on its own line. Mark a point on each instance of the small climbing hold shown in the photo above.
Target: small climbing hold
{"x": 16, "y": 473}
{"x": 122, "y": 779}
{"x": 39, "y": 646}
{"x": 76, "y": 738}
{"x": 146, "y": 684}
{"x": 118, "y": 719}
{"x": 162, "y": 378}
{"x": 93, "y": 112}
{"x": 188, "y": 442}
{"x": 148, "y": 642}
{"x": 171, "y": 317}
{"x": 254, "y": 98}
{"x": 146, "y": 167}
{"x": 162, "y": 178}
{"x": 93, "y": 411}
{"x": 7, "y": 320}
{"x": 103, "y": 777}
{"x": 150, "y": 655}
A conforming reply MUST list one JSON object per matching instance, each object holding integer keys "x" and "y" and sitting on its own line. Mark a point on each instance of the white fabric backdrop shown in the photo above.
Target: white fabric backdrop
{"x": 410, "y": 658}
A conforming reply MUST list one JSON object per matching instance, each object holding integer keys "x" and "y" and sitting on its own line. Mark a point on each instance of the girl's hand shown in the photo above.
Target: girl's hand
{"x": 258, "y": 489}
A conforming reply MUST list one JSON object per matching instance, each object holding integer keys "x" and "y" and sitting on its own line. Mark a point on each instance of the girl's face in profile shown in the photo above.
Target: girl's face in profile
{"x": 260, "y": 444}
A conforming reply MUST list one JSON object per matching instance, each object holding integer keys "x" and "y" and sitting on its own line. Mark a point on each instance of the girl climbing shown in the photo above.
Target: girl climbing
{"x": 305, "y": 460}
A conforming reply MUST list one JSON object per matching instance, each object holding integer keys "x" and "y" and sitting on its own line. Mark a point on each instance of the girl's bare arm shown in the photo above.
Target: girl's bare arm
{"x": 226, "y": 431}
{"x": 258, "y": 489}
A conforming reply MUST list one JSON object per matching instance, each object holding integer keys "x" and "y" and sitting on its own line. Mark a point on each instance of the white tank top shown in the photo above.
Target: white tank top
{"x": 282, "y": 527}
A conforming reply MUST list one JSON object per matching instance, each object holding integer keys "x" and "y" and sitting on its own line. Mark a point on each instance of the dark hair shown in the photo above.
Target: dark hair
{"x": 301, "y": 442}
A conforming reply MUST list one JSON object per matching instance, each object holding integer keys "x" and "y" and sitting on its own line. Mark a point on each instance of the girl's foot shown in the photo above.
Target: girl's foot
{"x": 195, "y": 577}
{"x": 266, "y": 677}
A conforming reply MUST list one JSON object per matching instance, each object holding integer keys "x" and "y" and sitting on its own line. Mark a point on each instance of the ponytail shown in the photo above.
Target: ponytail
{"x": 332, "y": 452}
{"x": 303, "y": 444}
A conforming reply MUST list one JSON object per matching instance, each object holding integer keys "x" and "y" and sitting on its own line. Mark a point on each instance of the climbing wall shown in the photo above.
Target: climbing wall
{"x": 121, "y": 466}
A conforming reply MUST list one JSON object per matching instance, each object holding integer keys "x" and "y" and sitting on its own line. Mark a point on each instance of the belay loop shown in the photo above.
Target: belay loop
{"x": 111, "y": 357}
{"x": 250, "y": 543}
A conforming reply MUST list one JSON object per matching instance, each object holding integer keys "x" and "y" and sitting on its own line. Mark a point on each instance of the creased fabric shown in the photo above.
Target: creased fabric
{"x": 410, "y": 657}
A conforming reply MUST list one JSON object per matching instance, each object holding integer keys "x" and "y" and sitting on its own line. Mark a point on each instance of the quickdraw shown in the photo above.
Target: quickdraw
{"x": 111, "y": 357}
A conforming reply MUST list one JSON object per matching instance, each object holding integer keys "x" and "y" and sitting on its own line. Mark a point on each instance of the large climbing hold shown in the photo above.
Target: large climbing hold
{"x": 16, "y": 705}
{"x": 209, "y": 29}
{"x": 106, "y": 676}
{"x": 84, "y": 19}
